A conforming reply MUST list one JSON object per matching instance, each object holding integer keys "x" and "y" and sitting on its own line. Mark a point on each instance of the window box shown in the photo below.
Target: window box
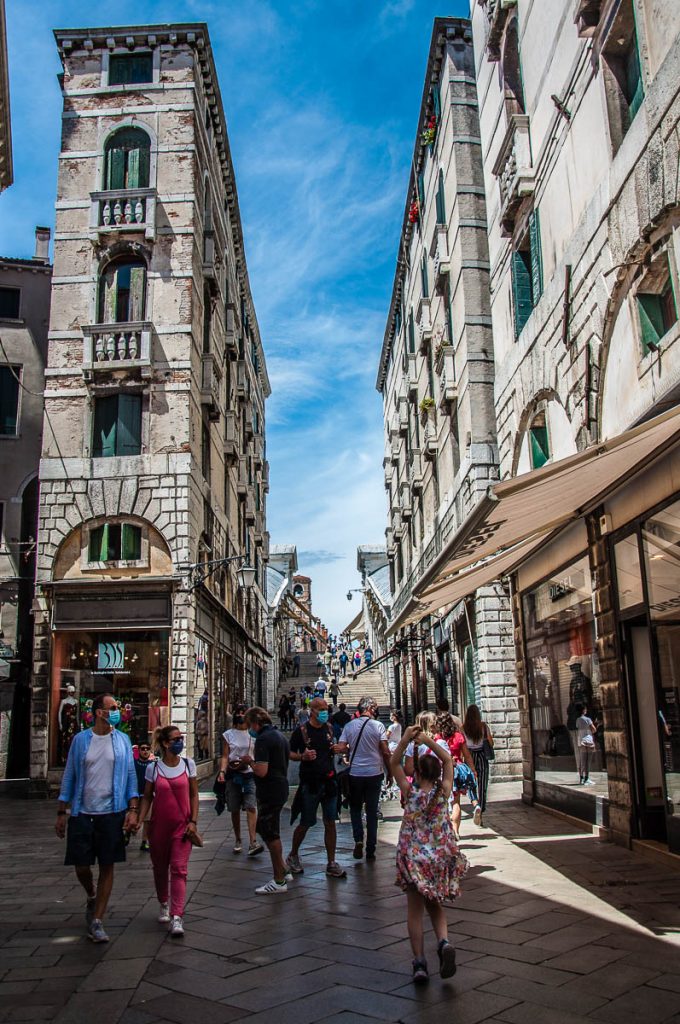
{"x": 514, "y": 170}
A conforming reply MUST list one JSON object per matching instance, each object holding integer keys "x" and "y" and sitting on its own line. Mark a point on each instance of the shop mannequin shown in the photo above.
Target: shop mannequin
{"x": 580, "y": 694}
{"x": 67, "y": 720}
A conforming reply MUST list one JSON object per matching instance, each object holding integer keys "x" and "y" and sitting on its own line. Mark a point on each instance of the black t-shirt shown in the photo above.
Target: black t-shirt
{"x": 341, "y": 718}
{"x": 320, "y": 740}
{"x": 271, "y": 747}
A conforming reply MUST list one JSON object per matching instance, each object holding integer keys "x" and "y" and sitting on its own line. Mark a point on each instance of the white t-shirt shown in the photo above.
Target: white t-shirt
{"x": 320, "y": 686}
{"x": 98, "y": 788}
{"x": 240, "y": 744}
{"x": 368, "y": 759}
{"x": 394, "y": 735}
{"x": 585, "y": 731}
{"x": 424, "y": 749}
{"x": 171, "y": 772}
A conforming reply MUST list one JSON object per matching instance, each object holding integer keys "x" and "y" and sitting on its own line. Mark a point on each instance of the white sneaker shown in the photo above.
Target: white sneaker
{"x": 589, "y": 782}
{"x": 164, "y": 913}
{"x": 238, "y": 846}
{"x": 176, "y": 928}
{"x": 477, "y": 816}
{"x": 272, "y": 887}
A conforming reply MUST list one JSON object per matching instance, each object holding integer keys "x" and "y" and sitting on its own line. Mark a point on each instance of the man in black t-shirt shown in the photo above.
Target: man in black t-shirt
{"x": 270, "y": 767}
{"x": 313, "y": 745}
{"x": 340, "y": 719}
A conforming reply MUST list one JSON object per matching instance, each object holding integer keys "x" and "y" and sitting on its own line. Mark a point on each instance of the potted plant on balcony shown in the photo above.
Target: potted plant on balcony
{"x": 429, "y": 133}
{"x": 427, "y": 408}
{"x": 414, "y": 212}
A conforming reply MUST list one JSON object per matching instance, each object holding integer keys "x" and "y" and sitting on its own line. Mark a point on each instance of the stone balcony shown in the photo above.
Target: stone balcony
{"x": 231, "y": 330}
{"x": 430, "y": 445}
{"x": 265, "y": 476}
{"x": 125, "y": 346}
{"x": 514, "y": 170}
{"x": 424, "y": 318}
{"x": 406, "y": 501}
{"x": 250, "y": 510}
{"x": 448, "y": 387}
{"x": 402, "y": 416}
{"x": 123, "y": 210}
{"x": 439, "y": 251}
{"x": 211, "y": 378}
{"x": 243, "y": 480}
{"x": 411, "y": 375}
{"x": 242, "y": 381}
{"x": 389, "y": 541}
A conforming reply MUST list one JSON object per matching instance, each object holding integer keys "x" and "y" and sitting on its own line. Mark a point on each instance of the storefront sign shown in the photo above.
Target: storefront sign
{"x": 560, "y": 588}
{"x": 111, "y": 656}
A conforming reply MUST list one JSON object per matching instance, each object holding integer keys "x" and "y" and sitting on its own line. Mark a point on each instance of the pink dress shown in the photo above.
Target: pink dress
{"x": 428, "y": 858}
{"x": 170, "y": 851}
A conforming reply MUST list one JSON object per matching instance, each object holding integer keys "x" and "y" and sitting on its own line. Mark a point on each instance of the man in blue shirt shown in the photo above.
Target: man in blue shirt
{"x": 100, "y": 784}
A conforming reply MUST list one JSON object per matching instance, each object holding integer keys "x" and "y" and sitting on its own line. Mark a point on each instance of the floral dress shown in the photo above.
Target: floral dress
{"x": 428, "y": 858}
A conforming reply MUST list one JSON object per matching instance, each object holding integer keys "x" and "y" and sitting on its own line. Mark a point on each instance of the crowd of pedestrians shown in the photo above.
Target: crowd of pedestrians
{"x": 344, "y": 757}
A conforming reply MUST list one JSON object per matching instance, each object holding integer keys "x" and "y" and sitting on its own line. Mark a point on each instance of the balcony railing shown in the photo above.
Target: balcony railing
{"x": 125, "y": 209}
{"x": 117, "y": 347}
{"x": 211, "y": 376}
{"x": 439, "y": 251}
{"x": 514, "y": 169}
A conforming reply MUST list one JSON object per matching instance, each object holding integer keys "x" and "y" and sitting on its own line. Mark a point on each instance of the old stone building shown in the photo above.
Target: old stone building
{"x": 579, "y": 103}
{"x": 153, "y": 471}
{"x": 24, "y": 320}
{"x": 436, "y": 377}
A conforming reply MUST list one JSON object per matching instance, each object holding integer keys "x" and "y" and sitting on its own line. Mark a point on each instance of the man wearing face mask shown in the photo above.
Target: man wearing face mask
{"x": 100, "y": 784}
{"x": 270, "y": 767}
{"x": 313, "y": 745}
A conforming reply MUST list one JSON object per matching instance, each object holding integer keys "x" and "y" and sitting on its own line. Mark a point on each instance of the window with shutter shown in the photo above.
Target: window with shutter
{"x": 10, "y": 302}
{"x": 521, "y": 289}
{"x": 655, "y": 301}
{"x": 130, "y": 69}
{"x": 98, "y": 550}
{"x": 440, "y": 200}
{"x": 539, "y": 442}
{"x": 104, "y": 431}
{"x": 9, "y": 400}
{"x": 122, "y": 292}
{"x": 421, "y": 192}
{"x": 117, "y": 426}
{"x": 633, "y": 88}
{"x": 127, "y": 159}
{"x": 411, "y": 333}
{"x": 436, "y": 105}
{"x": 536, "y": 259}
{"x": 423, "y": 276}
{"x": 622, "y": 70}
{"x": 131, "y": 543}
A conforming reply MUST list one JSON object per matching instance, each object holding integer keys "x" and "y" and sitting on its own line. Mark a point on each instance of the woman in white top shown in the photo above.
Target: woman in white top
{"x": 240, "y": 781}
{"x": 394, "y": 730}
{"x": 171, "y": 785}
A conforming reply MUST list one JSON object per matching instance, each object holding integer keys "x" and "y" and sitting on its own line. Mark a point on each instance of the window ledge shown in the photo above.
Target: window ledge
{"x": 107, "y": 566}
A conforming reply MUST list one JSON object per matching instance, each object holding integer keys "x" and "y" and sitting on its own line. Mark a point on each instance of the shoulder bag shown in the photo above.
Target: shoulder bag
{"x": 356, "y": 747}
{"x": 487, "y": 747}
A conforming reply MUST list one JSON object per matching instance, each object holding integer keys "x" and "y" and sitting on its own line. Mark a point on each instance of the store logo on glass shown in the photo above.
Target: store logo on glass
{"x": 111, "y": 657}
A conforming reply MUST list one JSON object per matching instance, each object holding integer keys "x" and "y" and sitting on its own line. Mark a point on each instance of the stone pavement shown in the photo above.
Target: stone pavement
{"x": 554, "y": 926}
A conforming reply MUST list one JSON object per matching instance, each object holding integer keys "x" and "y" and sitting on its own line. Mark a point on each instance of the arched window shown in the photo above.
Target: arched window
{"x": 122, "y": 291}
{"x": 126, "y": 160}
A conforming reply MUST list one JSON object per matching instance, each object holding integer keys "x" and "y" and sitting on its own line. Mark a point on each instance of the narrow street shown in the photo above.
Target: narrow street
{"x": 554, "y": 926}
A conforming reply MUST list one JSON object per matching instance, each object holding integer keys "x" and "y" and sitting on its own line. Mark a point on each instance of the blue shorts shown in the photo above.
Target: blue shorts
{"x": 311, "y": 795}
{"x": 95, "y": 837}
{"x": 241, "y": 792}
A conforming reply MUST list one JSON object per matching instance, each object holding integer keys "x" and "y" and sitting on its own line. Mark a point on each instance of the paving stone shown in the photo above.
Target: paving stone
{"x": 183, "y": 1008}
{"x": 585, "y": 960}
{"x": 650, "y": 1004}
{"x": 545, "y": 995}
{"x": 469, "y": 1008}
{"x": 670, "y": 982}
{"x": 83, "y": 1007}
{"x": 530, "y": 1013}
{"x": 115, "y": 974}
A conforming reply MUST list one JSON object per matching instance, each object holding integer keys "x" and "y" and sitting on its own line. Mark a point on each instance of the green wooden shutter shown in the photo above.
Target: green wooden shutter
{"x": 411, "y": 333}
{"x": 440, "y": 201}
{"x": 137, "y": 290}
{"x": 131, "y": 543}
{"x": 540, "y": 448}
{"x": 651, "y": 320}
{"x": 104, "y": 433}
{"x": 144, "y": 157}
{"x": 436, "y": 105}
{"x": 133, "y": 168}
{"x": 634, "y": 88}
{"x": 115, "y": 176}
{"x": 536, "y": 260}
{"x": 521, "y": 291}
{"x": 107, "y": 297}
{"x": 99, "y": 544}
{"x": 129, "y": 425}
{"x": 423, "y": 276}
{"x": 421, "y": 192}
{"x": 9, "y": 401}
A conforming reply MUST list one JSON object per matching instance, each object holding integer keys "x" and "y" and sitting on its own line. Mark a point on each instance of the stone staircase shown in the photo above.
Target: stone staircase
{"x": 368, "y": 684}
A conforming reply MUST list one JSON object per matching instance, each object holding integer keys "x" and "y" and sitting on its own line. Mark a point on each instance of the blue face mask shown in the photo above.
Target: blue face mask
{"x": 177, "y": 746}
{"x": 113, "y": 717}
{"x": 251, "y": 732}
{"x": 323, "y": 717}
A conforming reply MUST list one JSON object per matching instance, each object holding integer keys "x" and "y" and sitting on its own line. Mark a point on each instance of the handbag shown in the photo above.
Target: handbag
{"x": 487, "y": 748}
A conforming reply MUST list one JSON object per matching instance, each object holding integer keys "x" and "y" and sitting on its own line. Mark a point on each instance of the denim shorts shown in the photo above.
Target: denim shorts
{"x": 241, "y": 793}
{"x": 95, "y": 837}
{"x": 311, "y": 795}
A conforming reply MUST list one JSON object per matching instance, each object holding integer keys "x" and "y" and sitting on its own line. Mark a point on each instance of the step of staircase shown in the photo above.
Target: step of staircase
{"x": 369, "y": 684}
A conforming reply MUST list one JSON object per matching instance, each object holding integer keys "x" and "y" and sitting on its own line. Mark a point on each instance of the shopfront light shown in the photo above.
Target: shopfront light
{"x": 246, "y": 577}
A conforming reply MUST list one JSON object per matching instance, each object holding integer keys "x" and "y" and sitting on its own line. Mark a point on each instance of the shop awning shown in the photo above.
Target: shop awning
{"x": 352, "y": 629}
{"x": 537, "y": 504}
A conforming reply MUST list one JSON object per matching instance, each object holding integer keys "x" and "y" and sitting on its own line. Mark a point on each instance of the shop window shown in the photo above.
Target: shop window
{"x": 122, "y": 292}
{"x": 117, "y": 426}
{"x": 9, "y": 400}
{"x": 440, "y": 201}
{"x": 539, "y": 442}
{"x": 527, "y": 273}
{"x": 131, "y": 665}
{"x": 628, "y": 572}
{"x": 115, "y": 542}
{"x": 127, "y": 160}
{"x": 10, "y": 303}
{"x": 661, "y": 544}
{"x": 622, "y": 69}
{"x": 130, "y": 68}
{"x": 563, "y": 679}
{"x": 655, "y": 301}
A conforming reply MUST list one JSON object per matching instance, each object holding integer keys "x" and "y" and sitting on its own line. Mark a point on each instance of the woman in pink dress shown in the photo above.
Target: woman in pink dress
{"x": 429, "y": 863}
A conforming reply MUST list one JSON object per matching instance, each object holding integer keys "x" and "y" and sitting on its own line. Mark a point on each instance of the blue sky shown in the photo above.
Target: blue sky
{"x": 322, "y": 99}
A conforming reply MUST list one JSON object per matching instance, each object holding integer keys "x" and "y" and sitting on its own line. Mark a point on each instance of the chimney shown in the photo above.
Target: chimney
{"x": 42, "y": 245}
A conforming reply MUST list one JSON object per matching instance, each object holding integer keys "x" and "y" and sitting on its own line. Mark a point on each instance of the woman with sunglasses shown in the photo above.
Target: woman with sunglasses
{"x": 172, "y": 787}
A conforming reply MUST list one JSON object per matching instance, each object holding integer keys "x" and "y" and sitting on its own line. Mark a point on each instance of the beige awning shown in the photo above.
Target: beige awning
{"x": 537, "y": 504}
{"x": 356, "y": 622}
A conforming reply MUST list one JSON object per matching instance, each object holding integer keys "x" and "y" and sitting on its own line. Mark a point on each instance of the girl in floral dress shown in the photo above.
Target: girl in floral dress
{"x": 429, "y": 863}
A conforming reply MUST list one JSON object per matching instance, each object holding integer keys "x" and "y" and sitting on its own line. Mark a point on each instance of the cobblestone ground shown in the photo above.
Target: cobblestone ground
{"x": 554, "y": 926}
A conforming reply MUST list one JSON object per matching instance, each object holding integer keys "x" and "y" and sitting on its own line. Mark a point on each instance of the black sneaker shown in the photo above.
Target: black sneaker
{"x": 447, "y": 959}
{"x": 420, "y": 974}
{"x": 358, "y": 851}
{"x": 370, "y": 854}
